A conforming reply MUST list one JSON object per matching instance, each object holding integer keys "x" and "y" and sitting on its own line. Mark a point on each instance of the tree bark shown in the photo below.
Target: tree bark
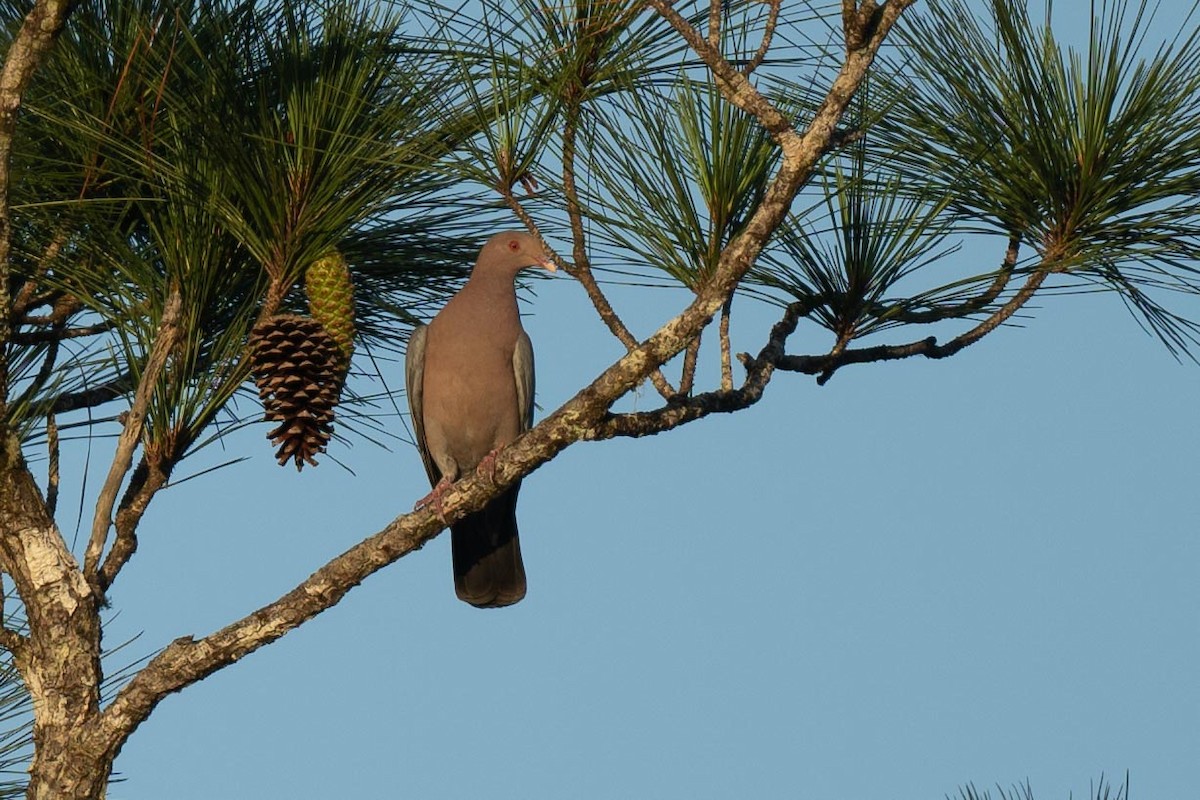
{"x": 59, "y": 660}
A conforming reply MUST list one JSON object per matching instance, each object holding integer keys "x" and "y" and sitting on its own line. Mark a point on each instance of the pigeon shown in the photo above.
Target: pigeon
{"x": 469, "y": 376}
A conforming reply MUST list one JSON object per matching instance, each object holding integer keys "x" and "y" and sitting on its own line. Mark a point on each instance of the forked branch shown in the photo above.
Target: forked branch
{"x": 164, "y": 342}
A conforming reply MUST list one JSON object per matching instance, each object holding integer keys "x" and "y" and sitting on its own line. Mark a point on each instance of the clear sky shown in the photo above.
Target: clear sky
{"x": 920, "y": 575}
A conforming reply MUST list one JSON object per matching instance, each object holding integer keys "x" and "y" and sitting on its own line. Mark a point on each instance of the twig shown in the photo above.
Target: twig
{"x": 26, "y": 51}
{"x": 581, "y": 269}
{"x": 967, "y": 307}
{"x": 94, "y": 396}
{"x": 583, "y": 263}
{"x": 22, "y": 302}
{"x": 825, "y": 366}
{"x": 687, "y": 377}
{"x": 768, "y": 34}
{"x": 52, "y": 473}
{"x": 57, "y": 334}
{"x": 164, "y": 342}
{"x": 723, "y": 333}
{"x": 681, "y": 410}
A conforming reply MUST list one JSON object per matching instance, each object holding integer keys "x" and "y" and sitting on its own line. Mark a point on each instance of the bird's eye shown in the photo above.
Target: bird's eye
{"x": 514, "y": 245}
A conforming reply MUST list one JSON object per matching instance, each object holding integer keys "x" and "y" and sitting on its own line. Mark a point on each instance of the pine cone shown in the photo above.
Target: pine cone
{"x": 297, "y": 367}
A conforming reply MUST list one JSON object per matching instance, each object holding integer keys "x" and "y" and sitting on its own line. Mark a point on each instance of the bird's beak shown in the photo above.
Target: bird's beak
{"x": 547, "y": 265}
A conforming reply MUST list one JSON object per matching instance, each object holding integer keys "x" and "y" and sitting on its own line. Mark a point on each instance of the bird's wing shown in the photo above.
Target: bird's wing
{"x": 414, "y": 376}
{"x": 523, "y": 372}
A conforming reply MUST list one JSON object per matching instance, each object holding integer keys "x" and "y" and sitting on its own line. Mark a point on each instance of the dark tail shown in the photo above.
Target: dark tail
{"x": 487, "y": 554}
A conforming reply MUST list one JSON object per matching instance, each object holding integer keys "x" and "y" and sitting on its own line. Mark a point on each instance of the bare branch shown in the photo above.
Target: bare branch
{"x": 967, "y": 307}
{"x": 735, "y": 86}
{"x": 164, "y": 342}
{"x": 687, "y": 377}
{"x": 150, "y": 475}
{"x": 723, "y": 333}
{"x": 581, "y": 270}
{"x": 25, "y": 299}
{"x": 57, "y": 334}
{"x": 52, "y": 474}
{"x": 93, "y": 396}
{"x": 681, "y": 410}
{"x": 768, "y": 34}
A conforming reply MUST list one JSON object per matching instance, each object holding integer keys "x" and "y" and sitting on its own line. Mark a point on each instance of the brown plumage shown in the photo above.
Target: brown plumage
{"x": 469, "y": 374}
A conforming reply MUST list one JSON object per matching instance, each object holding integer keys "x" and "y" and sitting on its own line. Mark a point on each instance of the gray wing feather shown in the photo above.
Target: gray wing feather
{"x": 414, "y": 376}
{"x": 523, "y": 371}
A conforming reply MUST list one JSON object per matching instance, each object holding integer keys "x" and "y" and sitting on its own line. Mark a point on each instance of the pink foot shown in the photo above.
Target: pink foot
{"x": 434, "y": 499}
{"x": 487, "y": 465}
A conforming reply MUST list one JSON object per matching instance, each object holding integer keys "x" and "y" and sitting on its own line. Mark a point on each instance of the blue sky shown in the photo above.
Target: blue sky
{"x": 920, "y": 575}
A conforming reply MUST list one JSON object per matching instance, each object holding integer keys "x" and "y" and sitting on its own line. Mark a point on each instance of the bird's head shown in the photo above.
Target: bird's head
{"x": 513, "y": 251}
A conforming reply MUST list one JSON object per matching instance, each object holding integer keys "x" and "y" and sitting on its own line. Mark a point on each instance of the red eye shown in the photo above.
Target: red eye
{"x": 514, "y": 245}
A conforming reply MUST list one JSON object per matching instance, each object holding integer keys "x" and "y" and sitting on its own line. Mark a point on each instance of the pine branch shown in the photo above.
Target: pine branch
{"x": 825, "y": 366}
{"x": 581, "y": 270}
{"x": 187, "y": 660}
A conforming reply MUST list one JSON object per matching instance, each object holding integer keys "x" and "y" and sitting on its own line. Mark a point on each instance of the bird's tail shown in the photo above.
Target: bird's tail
{"x": 488, "y": 571}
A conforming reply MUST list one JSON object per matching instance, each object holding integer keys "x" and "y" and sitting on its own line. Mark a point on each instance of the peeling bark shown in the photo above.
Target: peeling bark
{"x": 60, "y": 659}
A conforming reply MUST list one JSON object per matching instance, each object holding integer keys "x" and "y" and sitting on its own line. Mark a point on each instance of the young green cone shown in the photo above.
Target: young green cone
{"x": 331, "y": 301}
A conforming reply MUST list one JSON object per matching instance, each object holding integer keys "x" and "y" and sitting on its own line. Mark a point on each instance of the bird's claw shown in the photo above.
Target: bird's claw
{"x": 434, "y": 499}
{"x": 487, "y": 466}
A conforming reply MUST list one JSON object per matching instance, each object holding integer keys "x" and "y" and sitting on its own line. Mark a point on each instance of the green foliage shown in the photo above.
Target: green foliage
{"x": 1091, "y": 158}
{"x": 216, "y": 149}
{"x": 846, "y": 262}
{"x": 1102, "y": 790}
{"x": 680, "y": 182}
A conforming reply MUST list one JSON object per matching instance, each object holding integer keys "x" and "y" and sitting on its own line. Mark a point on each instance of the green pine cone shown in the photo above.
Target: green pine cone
{"x": 331, "y": 300}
